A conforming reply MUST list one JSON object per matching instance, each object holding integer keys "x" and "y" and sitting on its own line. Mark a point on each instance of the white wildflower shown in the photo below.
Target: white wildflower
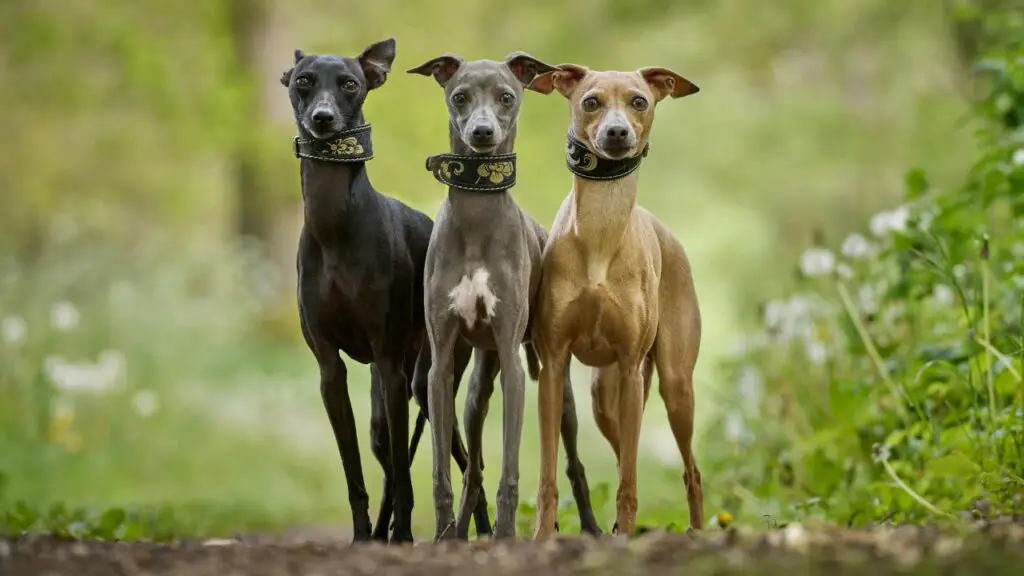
{"x": 64, "y": 316}
{"x": 959, "y": 271}
{"x": 97, "y": 378}
{"x": 749, "y": 385}
{"x": 817, "y": 262}
{"x": 943, "y": 294}
{"x": 817, "y": 352}
{"x": 14, "y": 330}
{"x": 868, "y": 298}
{"x": 1018, "y": 157}
{"x": 884, "y": 223}
{"x": 855, "y": 246}
{"x": 146, "y": 403}
{"x": 924, "y": 221}
{"x": 844, "y": 272}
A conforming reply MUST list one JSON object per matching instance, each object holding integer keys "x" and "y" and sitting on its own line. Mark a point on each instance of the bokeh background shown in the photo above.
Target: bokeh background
{"x": 151, "y": 354}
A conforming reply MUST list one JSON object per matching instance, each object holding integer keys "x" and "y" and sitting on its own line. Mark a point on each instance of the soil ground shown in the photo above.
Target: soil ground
{"x": 992, "y": 548}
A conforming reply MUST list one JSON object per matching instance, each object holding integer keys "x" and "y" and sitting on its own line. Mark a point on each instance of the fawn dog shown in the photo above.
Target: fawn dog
{"x": 616, "y": 288}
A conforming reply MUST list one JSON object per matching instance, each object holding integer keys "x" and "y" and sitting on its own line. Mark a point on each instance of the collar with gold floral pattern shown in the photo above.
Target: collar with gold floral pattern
{"x": 348, "y": 146}
{"x": 494, "y": 173}
{"x": 585, "y": 164}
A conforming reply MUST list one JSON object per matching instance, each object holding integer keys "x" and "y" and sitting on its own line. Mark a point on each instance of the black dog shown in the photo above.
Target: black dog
{"x": 360, "y": 288}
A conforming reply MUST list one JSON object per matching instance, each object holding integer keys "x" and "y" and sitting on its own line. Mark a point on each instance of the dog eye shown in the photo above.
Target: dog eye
{"x": 349, "y": 86}
{"x": 459, "y": 99}
{"x": 302, "y": 82}
{"x": 507, "y": 99}
{"x": 640, "y": 103}
{"x": 591, "y": 103}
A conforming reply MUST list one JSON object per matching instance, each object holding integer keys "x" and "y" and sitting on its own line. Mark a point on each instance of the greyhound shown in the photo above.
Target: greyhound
{"x": 360, "y": 281}
{"x": 482, "y": 272}
{"x": 616, "y": 292}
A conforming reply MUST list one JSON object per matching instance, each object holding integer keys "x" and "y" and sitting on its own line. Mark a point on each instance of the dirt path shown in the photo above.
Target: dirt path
{"x": 996, "y": 548}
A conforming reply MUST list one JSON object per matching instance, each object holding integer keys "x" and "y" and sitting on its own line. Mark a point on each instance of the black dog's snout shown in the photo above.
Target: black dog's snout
{"x": 617, "y": 133}
{"x": 323, "y": 116}
{"x": 483, "y": 132}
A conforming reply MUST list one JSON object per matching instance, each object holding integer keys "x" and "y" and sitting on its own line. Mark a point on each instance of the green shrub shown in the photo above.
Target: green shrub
{"x": 889, "y": 387}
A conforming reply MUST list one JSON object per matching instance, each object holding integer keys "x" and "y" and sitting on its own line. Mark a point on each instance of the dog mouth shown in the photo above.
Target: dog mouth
{"x": 615, "y": 151}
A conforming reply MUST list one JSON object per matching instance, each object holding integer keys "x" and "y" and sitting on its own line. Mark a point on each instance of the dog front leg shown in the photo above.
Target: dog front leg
{"x": 631, "y": 409}
{"x": 551, "y": 384}
{"x": 480, "y": 515}
{"x": 513, "y": 389}
{"x": 380, "y": 444}
{"x": 481, "y": 386}
{"x": 443, "y": 335}
{"x": 334, "y": 391}
{"x": 396, "y": 399}
{"x": 574, "y": 467}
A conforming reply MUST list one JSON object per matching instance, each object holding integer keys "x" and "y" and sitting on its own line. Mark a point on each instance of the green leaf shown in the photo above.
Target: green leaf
{"x": 109, "y": 522}
{"x": 955, "y": 465}
{"x": 916, "y": 183}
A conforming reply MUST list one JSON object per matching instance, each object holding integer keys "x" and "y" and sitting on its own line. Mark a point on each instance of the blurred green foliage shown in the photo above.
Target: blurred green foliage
{"x": 138, "y": 136}
{"x": 890, "y": 386}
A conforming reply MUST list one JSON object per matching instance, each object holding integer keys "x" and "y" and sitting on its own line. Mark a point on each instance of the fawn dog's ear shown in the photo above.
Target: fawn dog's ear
{"x": 441, "y": 68}
{"x": 526, "y": 68}
{"x": 564, "y": 78}
{"x": 287, "y": 76}
{"x": 665, "y": 82}
{"x": 376, "y": 62}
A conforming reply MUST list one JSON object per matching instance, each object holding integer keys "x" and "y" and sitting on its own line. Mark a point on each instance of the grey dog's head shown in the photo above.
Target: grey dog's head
{"x": 483, "y": 96}
{"x": 327, "y": 91}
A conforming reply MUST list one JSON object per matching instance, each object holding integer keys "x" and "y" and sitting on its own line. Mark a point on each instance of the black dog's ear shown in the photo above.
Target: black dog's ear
{"x": 286, "y": 77}
{"x": 441, "y": 68}
{"x": 376, "y": 62}
{"x": 525, "y": 67}
{"x": 299, "y": 55}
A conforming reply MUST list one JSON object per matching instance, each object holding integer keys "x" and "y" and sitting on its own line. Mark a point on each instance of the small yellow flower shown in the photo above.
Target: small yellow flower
{"x": 62, "y": 431}
{"x": 346, "y": 147}
{"x": 496, "y": 172}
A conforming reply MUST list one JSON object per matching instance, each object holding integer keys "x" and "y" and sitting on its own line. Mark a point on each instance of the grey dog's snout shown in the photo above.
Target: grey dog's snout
{"x": 483, "y": 132}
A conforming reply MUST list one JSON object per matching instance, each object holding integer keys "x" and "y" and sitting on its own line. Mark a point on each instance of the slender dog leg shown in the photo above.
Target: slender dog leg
{"x": 552, "y": 383}
{"x": 604, "y": 393}
{"x": 463, "y": 352}
{"x": 513, "y": 389}
{"x": 380, "y": 444}
{"x": 443, "y": 336}
{"x": 334, "y": 391}
{"x": 676, "y": 388}
{"x": 574, "y": 467}
{"x": 396, "y": 399}
{"x": 481, "y": 386}
{"x": 631, "y": 410}
{"x": 480, "y": 515}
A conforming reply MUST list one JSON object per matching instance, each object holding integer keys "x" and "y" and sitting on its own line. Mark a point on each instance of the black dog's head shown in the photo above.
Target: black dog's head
{"x": 327, "y": 92}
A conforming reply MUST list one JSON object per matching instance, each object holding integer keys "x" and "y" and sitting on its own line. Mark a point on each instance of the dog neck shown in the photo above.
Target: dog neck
{"x": 330, "y": 189}
{"x": 460, "y": 148}
{"x": 601, "y": 211}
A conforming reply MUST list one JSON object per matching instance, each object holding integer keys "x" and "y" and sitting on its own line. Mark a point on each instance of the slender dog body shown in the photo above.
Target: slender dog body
{"x": 482, "y": 274}
{"x": 616, "y": 290}
{"x": 360, "y": 281}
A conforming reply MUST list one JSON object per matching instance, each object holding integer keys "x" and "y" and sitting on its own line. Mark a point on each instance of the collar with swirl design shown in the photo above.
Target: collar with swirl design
{"x": 494, "y": 173}
{"x": 348, "y": 146}
{"x": 585, "y": 164}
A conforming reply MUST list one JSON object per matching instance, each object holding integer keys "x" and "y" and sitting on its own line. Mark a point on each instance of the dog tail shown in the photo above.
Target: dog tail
{"x": 417, "y": 432}
{"x": 532, "y": 362}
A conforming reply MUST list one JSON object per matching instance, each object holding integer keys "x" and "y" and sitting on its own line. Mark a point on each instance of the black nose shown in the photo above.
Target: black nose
{"x": 483, "y": 133}
{"x": 617, "y": 133}
{"x": 323, "y": 117}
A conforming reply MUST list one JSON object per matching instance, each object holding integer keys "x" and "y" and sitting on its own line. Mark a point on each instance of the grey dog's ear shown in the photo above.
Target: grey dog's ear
{"x": 376, "y": 62}
{"x": 441, "y": 68}
{"x": 525, "y": 67}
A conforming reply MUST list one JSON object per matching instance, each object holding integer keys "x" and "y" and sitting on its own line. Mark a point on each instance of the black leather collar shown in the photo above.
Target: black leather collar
{"x": 586, "y": 164}
{"x": 494, "y": 173}
{"x": 348, "y": 146}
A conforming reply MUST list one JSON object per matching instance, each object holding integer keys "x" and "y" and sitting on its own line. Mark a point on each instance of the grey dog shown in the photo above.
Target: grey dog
{"x": 482, "y": 272}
